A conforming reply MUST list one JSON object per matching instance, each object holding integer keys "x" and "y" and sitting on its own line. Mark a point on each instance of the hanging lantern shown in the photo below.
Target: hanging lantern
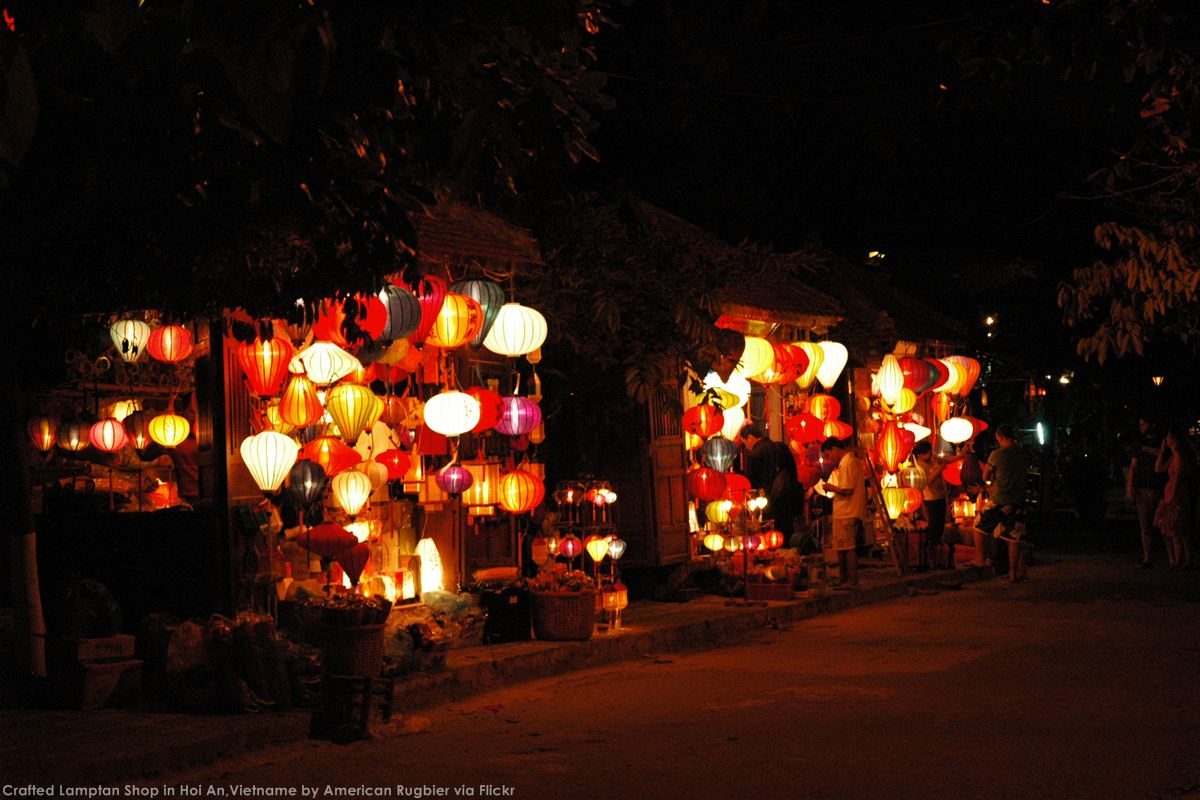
{"x": 919, "y": 432}
{"x": 596, "y": 547}
{"x": 396, "y": 462}
{"x": 717, "y": 512}
{"x": 918, "y": 375}
{"x": 757, "y": 357}
{"x": 957, "y": 430}
{"x": 490, "y": 298}
{"x": 414, "y": 413}
{"x": 137, "y": 427}
{"x": 403, "y": 313}
{"x": 324, "y": 363}
{"x": 837, "y": 429}
{"x": 306, "y": 479}
{"x": 518, "y": 416}
{"x": 616, "y": 548}
{"x": 457, "y": 323}
{"x": 913, "y": 499}
{"x": 736, "y": 488}
{"x": 130, "y": 337}
{"x": 734, "y": 418}
{"x": 890, "y": 380}
{"x": 824, "y": 407}
{"x": 454, "y": 479}
{"x": 906, "y": 402}
{"x": 703, "y": 420}
{"x": 483, "y": 494}
{"x": 737, "y": 385}
{"x": 954, "y": 378}
{"x": 169, "y": 429}
{"x": 719, "y": 453}
{"x": 816, "y": 356}
{"x": 300, "y": 404}
{"x": 351, "y": 405}
{"x": 517, "y": 330}
{"x": 569, "y": 546}
{"x": 73, "y": 435}
{"x": 894, "y": 499}
{"x": 521, "y": 491}
{"x": 394, "y": 410}
{"x": 890, "y": 446}
{"x": 170, "y": 343}
{"x": 714, "y": 542}
{"x": 108, "y": 435}
{"x": 268, "y": 455}
{"x": 970, "y": 373}
{"x": 431, "y": 293}
{"x": 351, "y": 491}
{"x": 354, "y": 560}
{"x": 834, "y": 361}
{"x": 265, "y": 363}
{"x": 275, "y": 422}
{"x": 805, "y": 428}
{"x": 43, "y": 431}
{"x": 452, "y": 413}
{"x": 912, "y": 477}
{"x": 705, "y": 484}
{"x": 377, "y": 472}
{"x": 490, "y": 408}
{"x": 329, "y": 540}
{"x": 332, "y": 454}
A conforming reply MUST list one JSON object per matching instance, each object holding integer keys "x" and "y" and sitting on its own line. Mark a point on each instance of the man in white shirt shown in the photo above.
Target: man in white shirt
{"x": 849, "y": 490}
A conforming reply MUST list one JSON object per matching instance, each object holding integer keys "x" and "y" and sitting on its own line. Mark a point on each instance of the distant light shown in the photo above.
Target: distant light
{"x": 1064, "y": 379}
{"x": 876, "y": 255}
{"x": 1047, "y": 377}
{"x": 1158, "y": 380}
{"x": 943, "y": 87}
{"x": 989, "y": 335}
{"x": 1041, "y": 434}
{"x": 989, "y": 320}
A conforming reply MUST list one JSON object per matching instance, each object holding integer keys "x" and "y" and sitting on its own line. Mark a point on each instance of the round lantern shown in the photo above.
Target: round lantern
{"x": 170, "y": 343}
{"x": 521, "y": 491}
{"x": 377, "y": 472}
{"x": 170, "y": 429}
{"x": 912, "y": 478}
{"x": 490, "y": 298}
{"x": 454, "y": 479}
{"x": 834, "y": 361}
{"x": 816, "y": 356}
{"x": 957, "y": 430}
{"x": 715, "y": 542}
{"x": 736, "y": 488}
{"x": 265, "y": 363}
{"x": 137, "y": 427}
{"x": 457, "y": 323}
{"x": 570, "y": 546}
{"x": 890, "y": 380}
{"x": 43, "y": 431}
{"x": 757, "y": 357}
{"x": 431, "y": 293}
{"x": 130, "y": 337}
{"x": 324, "y": 363}
{"x": 403, "y": 313}
{"x": 351, "y": 491}
{"x": 73, "y": 435}
{"x": 703, "y": 420}
{"x": 837, "y": 429}
{"x": 717, "y": 511}
{"x": 773, "y": 539}
{"x": 706, "y": 484}
{"x": 268, "y": 455}
{"x": 452, "y": 413}
{"x": 332, "y": 454}
{"x": 905, "y": 403}
{"x": 108, "y": 435}
{"x": 719, "y": 453}
{"x": 396, "y": 461}
{"x": 517, "y": 330}
{"x": 805, "y": 428}
{"x": 824, "y": 407}
{"x": 306, "y": 479}
{"x": 597, "y": 547}
{"x": 352, "y": 406}
{"x": 737, "y": 385}
{"x": 300, "y": 405}
{"x": 483, "y": 495}
{"x": 518, "y": 415}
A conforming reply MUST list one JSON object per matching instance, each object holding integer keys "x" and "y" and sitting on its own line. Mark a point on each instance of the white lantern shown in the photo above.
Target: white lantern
{"x": 890, "y": 381}
{"x": 957, "y": 430}
{"x": 351, "y": 490}
{"x": 269, "y": 455}
{"x": 431, "y": 566}
{"x": 517, "y": 330}
{"x": 737, "y": 385}
{"x": 130, "y": 337}
{"x": 816, "y": 356}
{"x": 919, "y": 431}
{"x": 324, "y": 363}
{"x": 735, "y": 418}
{"x": 833, "y": 362}
{"x": 377, "y": 472}
{"x": 452, "y": 413}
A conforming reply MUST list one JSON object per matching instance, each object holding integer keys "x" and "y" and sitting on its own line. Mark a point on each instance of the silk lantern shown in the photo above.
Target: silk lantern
{"x": 490, "y": 408}
{"x": 306, "y": 480}
{"x": 918, "y": 431}
{"x": 490, "y": 298}
{"x": 597, "y": 547}
{"x": 452, "y": 413}
{"x": 970, "y": 369}
{"x": 918, "y": 375}
{"x": 890, "y": 446}
{"x": 957, "y": 430}
{"x": 324, "y": 363}
{"x": 169, "y": 429}
{"x": 735, "y": 419}
{"x": 913, "y": 499}
{"x": 894, "y": 499}
{"x": 953, "y": 380}
{"x": 805, "y": 428}
{"x": 351, "y": 491}
{"x": 269, "y": 456}
{"x": 457, "y": 323}
{"x": 715, "y": 542}
{"x": 130, "y": 337}
{"x": 108, "y": 435}
{"x": 824, "y": 407}
{"x": 274, "y": 421}
{"x": 757, "y": 357}
{"x": 137, "y": 427}
{"x": 351, "y": 406}
{"x": 518, "y": 415}
{"x": 454, "y": 479}
{"x": 737, "y": 385}
{"x": 717, "y": 512}
{"x": 396, "y": 462}
{"x": 703, "y": 420}
{"x": 403, "y": 313}
{"x": 816, "y": 356}
{"x": 833, "y": 362}
{"x": 300, "y": 404}
{"x": 265, "y": 363}
{"x": 518, "y": 330}
{"x": 73, "y": 435}
{"x": 431, "y": 293}
{"x": 170, "y": 343}
{"x": 719, "y": 453}
{"x": 905, "y": 403}
{"x": 912, "y": 477}
{"x": 377, "y": 472}
{"x": 521, "y": 491}
{"x": 837, "y": 429}
{"x": 890, "y": 380}
{"x": 953, "y": 473}
{"x": 43, "y": 431}
{"x": 483, "y": 495}
{"x": 705, "y": 484}
{"x": 736, "y": 488}
{"x": 332, "y": 454}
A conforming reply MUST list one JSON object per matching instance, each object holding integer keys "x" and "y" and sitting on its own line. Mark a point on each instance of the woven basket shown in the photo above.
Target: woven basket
{"x": 352, "y": 649}
{"x": 564, "y": 616}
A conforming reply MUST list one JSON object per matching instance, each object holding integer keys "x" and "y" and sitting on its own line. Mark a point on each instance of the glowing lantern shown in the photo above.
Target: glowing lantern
{"x": 955, "y": 377}
{"x": 906, "y": 402}
{"x": 265, "y": 363}
{"x": 403, "y": 313}
{"x": 953, "y": 473}
{"x": 737, "y": 385}
{"x": 332, "y": 454}
{"x": 714, "y": 542}
{"x": 691, "y": 441}
{"x": 42, "y": 432}
{"x": 706, "y": 484}
{"x": 123, "y": 408}
{"x": 490, "y": 298}
{"x": 773, "y": 540}
{"x": 703, "y": 420}
{"x": 431, "y": 293}
{"x": 894, "y": 499}
{"x": 569, "y": 546}
{"x": 597, "y": 547}
{"x": 616, "y": 548}
{"x": 521, "y": 491}
{"x": 517, "y": 330}
{"x": 912, "y": 477}
{"x": 396, "y": 462}
{"x": 891, "y": 446}
{"x": 375, "y": 413}
{"x": 351, "y": 405}
{"x": 394, "y": 410}
{"x": 805, "y": 428}
{"x": 890, "y": 380}
{"x": 957, "y": 430}
{"x": 978, "y": 426}
{"x": 970, "y": 370}
{"x": 717, "y": 511}
{"x": 108, "y": 435}
{"x": 518, "y": 416}
{"x": 483, "y": 495}
{"x": 170, "y": 429}
{"x": 837, "y": 429}
{"x": 454, "y": 479}
{"x": 170, "y": 343}
{"x": 351, "y": 491}
{"x": 300, "y": 405}
{"x": 824, "y": 407}
{"x": 816, "y": 356}
{"x": 458, "y": 321}
{"x": 834, "y": 361}
{"x": 268, "y": 455}
{"x": 137, "y": 426}
{"x": 274, "y": 421}
{"x": 912, "y": 500}
{"x": 719, "y": 453}
{"x": 757, "y": 357}
{"x": 130, "y": 337}
{"x": 73, "y": 435}
{"x": 378, "y": 473}
{"x": 963, "y": 509}
{"x": 736, "y": 488}
{"x": 919, "y": 432}
{"x": 431, "y": 566}
{"x": 329, "y": 540}
{"x": 490, "y": 408}
{"x": 306, "y": 479}
{"x": 324, "y": 363}
{"x": 452, "y": 413}
{"x": 735, "y": 419}
{"x": 414, "y": 478}
{"x": 918, "y": 374}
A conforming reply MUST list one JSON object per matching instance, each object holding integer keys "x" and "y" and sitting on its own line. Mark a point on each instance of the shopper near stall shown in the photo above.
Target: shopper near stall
{"x": 1006, "y": 469}
{"x": 770, "y": 467}
{"x": 848, "y": 486}
{"x": 1143, "y": 485}
{"x": 934, "y": 496}
{"x": 1174, "y": 515}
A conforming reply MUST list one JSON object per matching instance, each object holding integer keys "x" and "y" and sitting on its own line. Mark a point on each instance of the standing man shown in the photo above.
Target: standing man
{"x": 1006, "y": 469}
{"x": 1143, "y": 485}
{"x": 770, "y": 466}
{"x": 848, "y": 486}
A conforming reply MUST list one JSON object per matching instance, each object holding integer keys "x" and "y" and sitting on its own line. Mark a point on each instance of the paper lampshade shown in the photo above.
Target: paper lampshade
{"x": 890, "y": 380}
{"x": 137, "y": 426}
{"x": 597, "y": 547}
{"x": 757, "y": 357}
{"x": 351, "y": 405}
{"x": 269, "y": 456}
{"x": 169, "y": 429}
{"x": 521, "y": 491}
{"x": 300, "y": 404}
{"x": 733, "y": 420}
{"x": 490, "y": 298}
{"x": 737, "y": 385}
{"x": 517, "y": 330}
{"x": 824, "y": 407}
{"x": 108, "y": 435}
{"x": 458, "y": 321}
{"x": 452, "y": 413}
{"x": 351, "y": 491}
{"x": 518, "y": 415}
{"x": 816, "y": 356}
{"x": 431, "y": 293}
{"x": 130, "y": 337}
{"x": 43, "y": 431}
{"x": 265, "y": 362}
{"x": 74, "y": 435}
{"x": 324, "y": 363}
{"x": 403, "y": 313}
{"x": 834, "y": 361}
{"x": 332, "y": 454}
{"x": 170, "y": 343}
{"x": 714, "y": 542}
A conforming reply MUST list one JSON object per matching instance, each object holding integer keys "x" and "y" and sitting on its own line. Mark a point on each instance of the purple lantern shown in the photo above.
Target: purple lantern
{"x": 518, "y": 415}
{"x": 454, "y": 479}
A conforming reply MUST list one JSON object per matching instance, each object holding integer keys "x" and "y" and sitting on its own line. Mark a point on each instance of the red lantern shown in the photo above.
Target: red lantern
{"x": 265, "y": 363}
{"x": 773, "y": 540}
{"x": 703, "y": 420}
{"x": 953, "y": 473}
{"x": 807, "y": 474}
{"x": 805, "y": 428}
{"x": 394, "y": 411}
{"x": 170, "y": 343}
{"x": 490, "y": 407}
{"x": 396, "y": 461}
{"x": 913, "y": 499}
{"x": 890, "y": 446}
{"x": 824, "y": 407}
{"x": 372, "y": 316}
{"x": 736, "y": 486}
{"x": 785, "y": 368}
{"x": 431, "y": 293}
{"x": 706, "y": 484}
{"x": 353, "y": 560}
{"x": 916, "y": 373}
{"x": 329, "y": 540}
{"x": 938, "y": 374}
{"x": 332, "y": 454}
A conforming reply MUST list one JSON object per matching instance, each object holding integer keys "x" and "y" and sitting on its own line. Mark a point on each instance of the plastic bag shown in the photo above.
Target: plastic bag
{"x": 187, "y": 649}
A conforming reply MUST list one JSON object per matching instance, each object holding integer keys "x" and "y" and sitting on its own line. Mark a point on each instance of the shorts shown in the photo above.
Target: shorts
{"x": 993, "y": 517}
{"x": 846, "y": 533}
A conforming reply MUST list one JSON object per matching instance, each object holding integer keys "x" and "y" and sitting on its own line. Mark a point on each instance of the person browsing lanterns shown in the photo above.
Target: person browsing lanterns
{"x": 1006, "y": 469}
{"x": 848, "y": 486}
{"x": 770, "y": 466}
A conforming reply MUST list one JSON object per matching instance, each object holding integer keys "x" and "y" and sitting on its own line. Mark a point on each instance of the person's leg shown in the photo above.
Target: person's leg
{"x": 851, "y": 568}
{"x": 1145, "y": 503}
{"x": 1185, "y": 551}
{"x": 1014, "y": 560}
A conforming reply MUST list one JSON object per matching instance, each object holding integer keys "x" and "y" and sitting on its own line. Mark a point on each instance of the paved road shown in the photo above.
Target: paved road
{"x": 1082, "y": 683}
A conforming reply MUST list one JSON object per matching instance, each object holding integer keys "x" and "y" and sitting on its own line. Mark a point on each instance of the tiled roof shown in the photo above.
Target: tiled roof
{"x": 456, "y": 231}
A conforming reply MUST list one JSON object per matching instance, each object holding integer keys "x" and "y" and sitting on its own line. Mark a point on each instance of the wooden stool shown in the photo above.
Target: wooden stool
{"x": 345, "y": 710}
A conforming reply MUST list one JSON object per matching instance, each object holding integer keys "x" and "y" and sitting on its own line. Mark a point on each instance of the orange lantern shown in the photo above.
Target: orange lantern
{"x": 955, "y": 377}
{"x": 170, "y": 343}
{"x": 970, "y": 369}
{"x": 758, "y": 356}
{"x": 108, "y": 435}
{"x": 458, "y": 321}
{"x": 805, "y": 428}
{"x": 913, "y": 501}
{"x": 300, "y": 404}
{"x": 773, "y": 540}
{"x": 521, "y": 491}
{"x": 703, "y": 420}
{"x": 394, "y": 410}
{"x": 332, "y": 454}
{"x": 42, "y": 432}
{"x": 890, "y": 447}
{"x": 265, "y": 363}
{"x": 824, "y": 407}
{"x": 837, "y": 429}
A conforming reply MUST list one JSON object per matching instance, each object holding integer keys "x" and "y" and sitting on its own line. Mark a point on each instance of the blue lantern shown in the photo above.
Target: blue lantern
{"x": 490, "y": 298}
{"x": 719, "y": 453}
{"x": 403, "y": 313}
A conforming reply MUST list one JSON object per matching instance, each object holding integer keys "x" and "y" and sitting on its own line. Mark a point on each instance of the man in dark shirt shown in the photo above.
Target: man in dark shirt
{"x": 769, "y": 466}
{"x": 1144, "y": 486}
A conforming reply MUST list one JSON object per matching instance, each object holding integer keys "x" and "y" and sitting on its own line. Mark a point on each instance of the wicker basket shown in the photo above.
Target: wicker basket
{"x": 564, "y": 616}
{"x": 352, "y": 649}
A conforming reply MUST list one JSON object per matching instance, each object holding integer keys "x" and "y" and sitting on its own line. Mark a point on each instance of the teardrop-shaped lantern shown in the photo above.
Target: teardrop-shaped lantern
{"x": 834, "y": 361}
{"x": 431, "y": 293}
{"x": 837, "y": 429}
{"x": 912, "y": 477}
{"x": 454, "y": 479}
{"x": 130, "y": 337}
{"x": 521, "y": 491}
{"x": 890, "y": 380}
{"x": 757, "y": 357}
{"x": 169, "y": 429}
{"x": 705, "y": 484}
{"x": 816, "y": 357}
{"x": 137, "y": 426}
{"x": 300, "y": 404}
{"x": 43, "y": 431}
{"x": 490, "y": 298}
{"x": 73, "y": 435}
{"x": 569, "y": 546}
{"x": 894, "y": 499}
{"x": 518, "y": 330}
{"x": 616, "y": 548}
{"x": 170, "y": 343}
{"x": 458, "y": 321}
{"x": 265, "y": 362}
{"x": 890, "y": 446}
{"x": 452, "y": 413}
{"x": 324, "y": 363}
{"x": 518, "y": 415}
{"x": 351, "y": 406}
{"x": 734, "y": 420}
{"x": 737, "y": 385}
{"x": 403, "y": 313}
{"x": 703, "y": 420}
{"x": 332, "y": 454}
{"x": 719, "y": 453}
{"x": 269, "y": 456}
{"x": 108, "y": 435}
{"x": 970, "y": 369}
{"x": 306, "y": 479}
{"x": 596, "y": 547}
{"x": 351, "y": 491}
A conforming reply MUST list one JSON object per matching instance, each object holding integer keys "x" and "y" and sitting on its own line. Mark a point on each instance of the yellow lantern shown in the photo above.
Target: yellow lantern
{"x": 324, "y": 363}
{"x": 351, "y": 406}
{"x": 376, "y": 412}
{"x": 351, "y": 491}
{"x": 170, "y": 429}
{"x": 521, "y": 491}
{"x": 815, "y": 357}
{"x": 834, "y": 361}
{"x": 130, "y": 337}
{"x": 714, "y": 542}
{"x": 378, "y": 473}
{"x": 907, "y": 402}
{"x": 955, "y": 377}
{"x": 268, "y": 455}
{"x": 123, "y": 408}
{"x": 757, "y": 357}
{"x": 717, "y": 512}
{"x": 452, "y": 413}
{"x": 42, "y": 432}
{"x": 276, "y": 421}
{"x": 894, "y": 499}
{"x": 890, "y": 381}
{"x": 482, "y": 496}
{"x": 460, "y": 318}
{"x": 737, "y": 385}
{"x": 957, "y": 430}
{"x": 518, "y": 330}
{"x": 431, "y": 566}
{"x": 597, "y": 548}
